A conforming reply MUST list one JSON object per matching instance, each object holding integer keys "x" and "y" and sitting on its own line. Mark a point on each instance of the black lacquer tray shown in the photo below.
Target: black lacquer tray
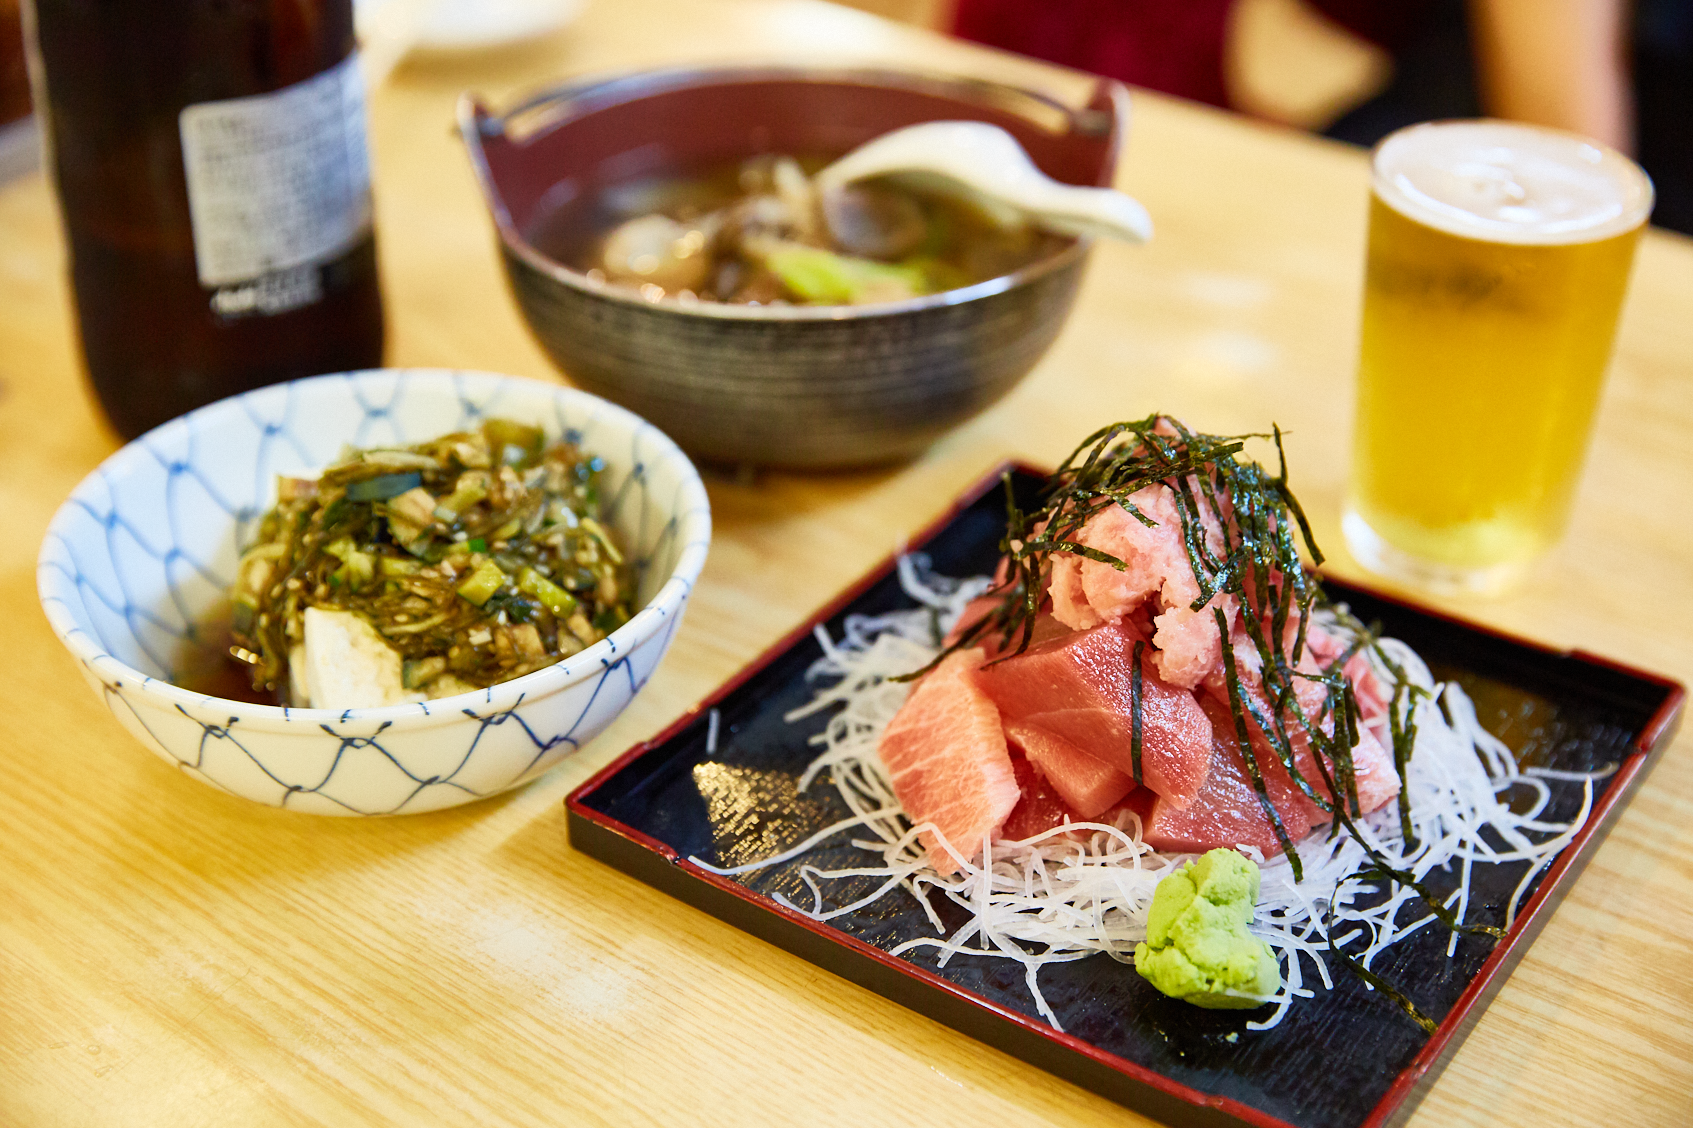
{"x": 1346, "y": 1058}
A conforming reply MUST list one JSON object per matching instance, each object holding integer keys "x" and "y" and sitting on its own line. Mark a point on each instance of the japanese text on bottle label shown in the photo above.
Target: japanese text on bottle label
{"x": 276, "y": 182}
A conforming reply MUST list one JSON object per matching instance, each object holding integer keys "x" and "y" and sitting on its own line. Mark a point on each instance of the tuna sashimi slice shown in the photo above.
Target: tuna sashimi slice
{"x": 1374, "y": 775}
{"x": 1045, "y": 626}
{"x": 974, "y": 610}
{"x": 1080, "y": 687}
{"x": 1324, "y": 647}
{"x": 1375, "y": 779}
{"x": 945, "y": 755}
{"x": 1039, "y": 810}
{"x": 1087, "y": 784}
{"x": 1227, "y": 812}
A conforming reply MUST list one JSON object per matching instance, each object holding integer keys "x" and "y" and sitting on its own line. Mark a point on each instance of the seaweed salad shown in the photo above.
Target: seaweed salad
{"x": 405, "y": 573}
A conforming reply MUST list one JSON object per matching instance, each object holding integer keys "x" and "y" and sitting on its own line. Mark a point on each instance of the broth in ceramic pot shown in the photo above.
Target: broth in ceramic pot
{"x": 758, "y": 231}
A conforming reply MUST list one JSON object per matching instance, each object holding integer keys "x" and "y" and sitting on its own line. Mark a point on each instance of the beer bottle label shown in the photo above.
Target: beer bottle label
{"x": 278, "y": 185}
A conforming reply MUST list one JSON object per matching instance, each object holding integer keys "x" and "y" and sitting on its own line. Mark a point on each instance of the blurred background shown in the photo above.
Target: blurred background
{"x": 1354, "y": 70}
{"x": 17, "y": 135}
{"x": 1620, "y": 71}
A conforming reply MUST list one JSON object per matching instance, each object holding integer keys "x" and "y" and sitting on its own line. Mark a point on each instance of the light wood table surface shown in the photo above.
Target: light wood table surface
{"x": 173, "y": 956}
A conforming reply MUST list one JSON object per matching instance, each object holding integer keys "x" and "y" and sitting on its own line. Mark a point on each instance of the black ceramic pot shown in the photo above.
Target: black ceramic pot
{"x": 798, "y": 386}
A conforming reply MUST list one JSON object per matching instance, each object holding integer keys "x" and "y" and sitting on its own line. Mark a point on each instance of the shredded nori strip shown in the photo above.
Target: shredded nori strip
{"x": 1244, "y": 739}
{"x": 1262, "y": 527}
{"x": 1380, "y": 983}
{"x": 1402, "y": 725}
{"x": 1135, "y": 709}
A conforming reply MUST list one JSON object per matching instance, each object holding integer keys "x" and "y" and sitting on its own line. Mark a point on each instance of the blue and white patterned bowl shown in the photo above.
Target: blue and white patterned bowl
{"x": 144, "y": 549}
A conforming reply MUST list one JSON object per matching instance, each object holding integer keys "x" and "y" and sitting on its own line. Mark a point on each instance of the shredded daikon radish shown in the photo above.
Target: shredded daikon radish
{"x": 1085, "y": 887}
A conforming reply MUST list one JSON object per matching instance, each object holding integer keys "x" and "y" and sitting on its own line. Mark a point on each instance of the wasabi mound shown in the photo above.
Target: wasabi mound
{"x": 1197, "y": 947}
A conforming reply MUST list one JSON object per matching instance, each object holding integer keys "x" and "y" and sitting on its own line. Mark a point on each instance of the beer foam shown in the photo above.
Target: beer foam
{"x": 1510, "y": 183}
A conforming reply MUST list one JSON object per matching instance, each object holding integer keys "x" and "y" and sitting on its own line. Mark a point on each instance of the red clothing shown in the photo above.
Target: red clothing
{"x": 1175, "y": 46}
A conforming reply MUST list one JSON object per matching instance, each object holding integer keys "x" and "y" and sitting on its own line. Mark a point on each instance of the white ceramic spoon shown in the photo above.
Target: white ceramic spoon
{"x": 987, "y": 162}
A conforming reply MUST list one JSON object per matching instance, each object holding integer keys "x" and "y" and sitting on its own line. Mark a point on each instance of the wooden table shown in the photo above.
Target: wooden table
{"x": 173, "y": 956}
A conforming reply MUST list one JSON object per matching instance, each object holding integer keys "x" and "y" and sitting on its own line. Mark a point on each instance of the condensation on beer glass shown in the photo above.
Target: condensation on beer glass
{"x": 1498, "y": 259}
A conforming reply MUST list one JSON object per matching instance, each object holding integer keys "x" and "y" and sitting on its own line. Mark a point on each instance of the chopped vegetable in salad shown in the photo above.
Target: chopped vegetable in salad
{"x": 402, "y": 574}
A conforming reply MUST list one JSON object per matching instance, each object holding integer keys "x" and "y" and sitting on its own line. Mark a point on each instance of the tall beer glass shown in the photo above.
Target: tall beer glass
{"x": 1498, "y": 258}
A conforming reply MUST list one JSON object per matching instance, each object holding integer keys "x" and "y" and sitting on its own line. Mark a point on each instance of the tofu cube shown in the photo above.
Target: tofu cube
{"x": 347, "y": 665}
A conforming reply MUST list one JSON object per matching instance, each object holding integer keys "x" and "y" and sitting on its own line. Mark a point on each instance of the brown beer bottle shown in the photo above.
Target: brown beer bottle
{"x": 212, "y": 174}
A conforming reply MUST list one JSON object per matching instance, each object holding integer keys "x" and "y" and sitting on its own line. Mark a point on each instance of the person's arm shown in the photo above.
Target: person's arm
{"x": 1561, "y": 63}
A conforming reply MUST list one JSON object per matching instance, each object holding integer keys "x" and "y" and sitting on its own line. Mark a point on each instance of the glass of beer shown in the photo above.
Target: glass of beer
{"x": 1498, "y": 259}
